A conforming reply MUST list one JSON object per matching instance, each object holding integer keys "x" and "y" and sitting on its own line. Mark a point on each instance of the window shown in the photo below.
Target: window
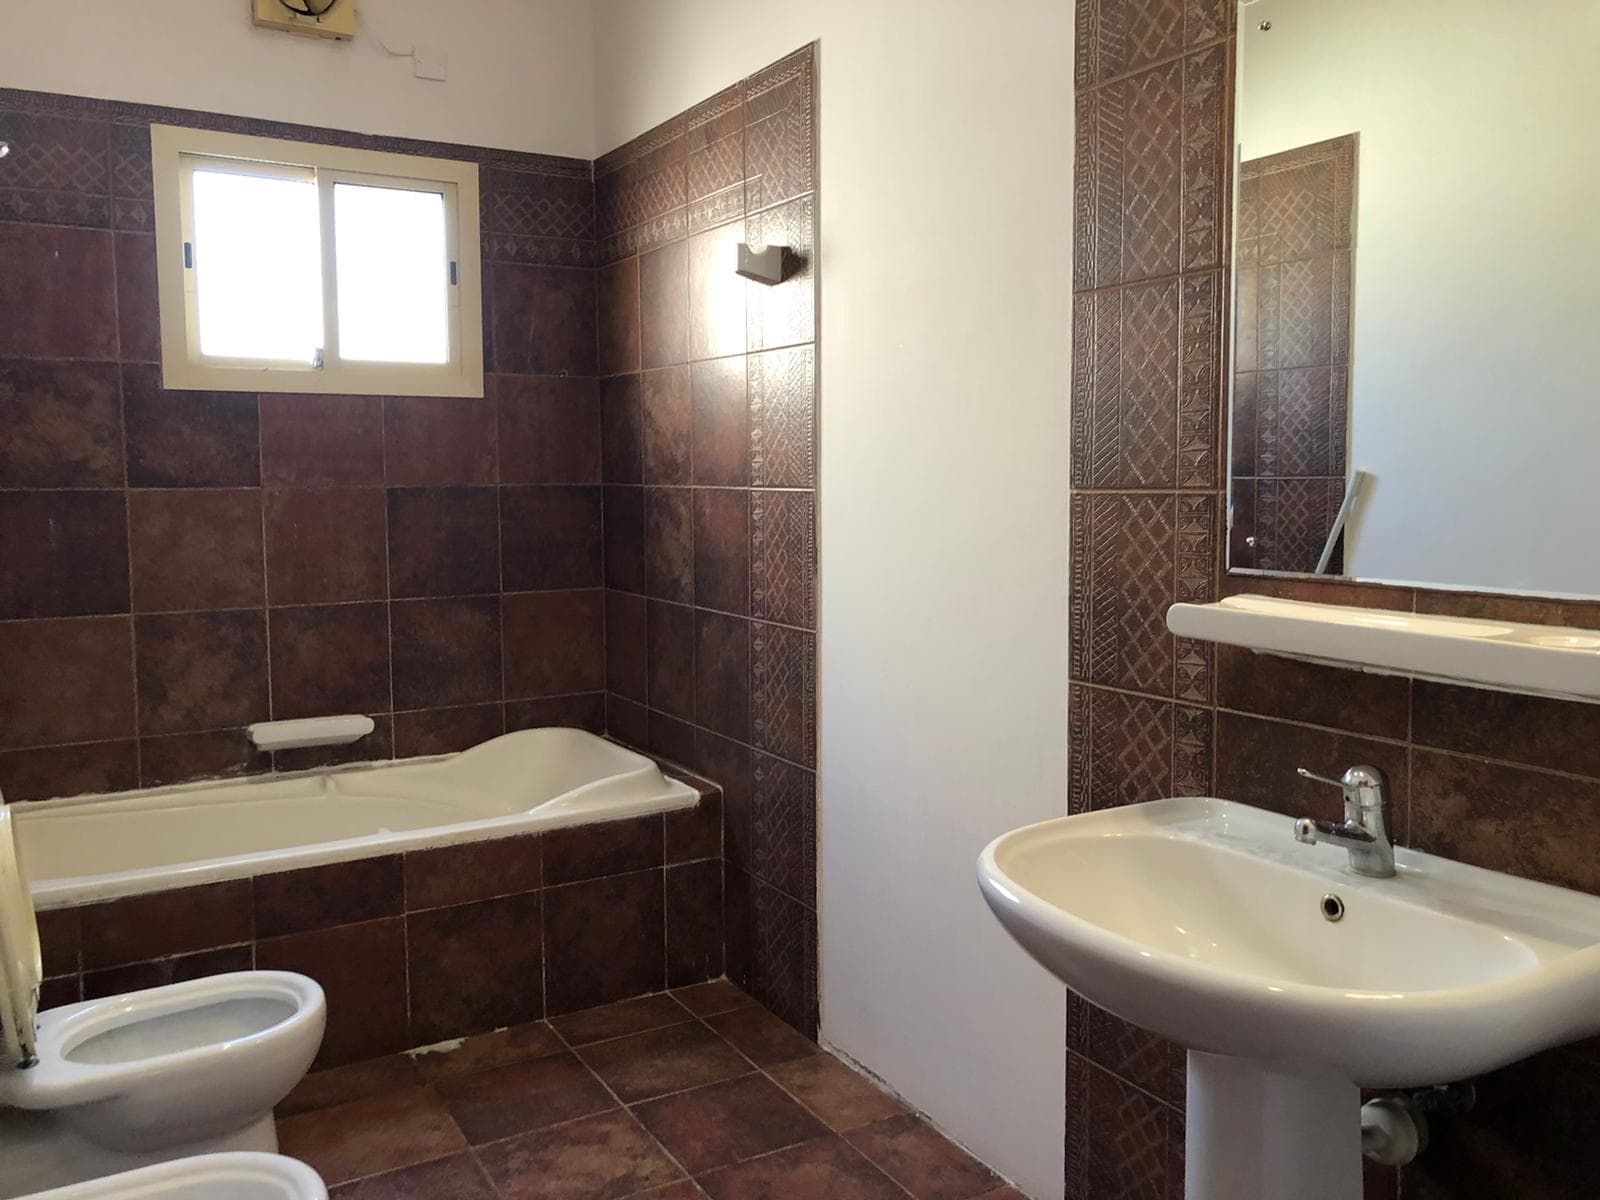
{"x": 300, "y": 268}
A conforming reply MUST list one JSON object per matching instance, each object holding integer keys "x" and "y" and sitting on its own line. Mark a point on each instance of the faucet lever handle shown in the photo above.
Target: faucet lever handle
{"x": 1327, "y": 779}
{"x": 1352, "y": 807}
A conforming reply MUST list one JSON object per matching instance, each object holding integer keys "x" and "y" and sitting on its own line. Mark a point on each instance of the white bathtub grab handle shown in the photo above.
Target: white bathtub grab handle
{"x": 311, "y": 731}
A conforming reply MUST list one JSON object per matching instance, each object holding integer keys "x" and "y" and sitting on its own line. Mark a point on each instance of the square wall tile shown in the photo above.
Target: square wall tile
{"x": 474, "y": 967}
{"x": 669, "y": 543}
{"x": 446, "y": 730}
{"x": 60, "y": 425}
{"x": 549, "y": 428}
{"x": 554, "y": 643}
{"x": 624, "y": 538}
{"x": 439, "y": 441}
{"x": 722, "y": 549}
{"x": 138, "y": 309}
{"x": 721, "y": 446}
{"x": 716, "y": 293}
{"x": 668, "y": 426}
{"x": 196, "y": 549}
{"x": 362, "y": 968}
{"x": 604, "y": 940}
{"x": 670, "y": 658}
{"x": 185, "y": 438}
{"x": 57, "y": 293}
{"x": 63, "y": 553}
{"x": 626, "y": 645}
{"x": 445, "y": 652}
{"x": 329, "y": 660}
{"x": 444, "y": 541}
{"x": 543, "y": 320}
{"x": 200, "y": 671}
{"x": 617, "y": 290}
{"x": 664, "y": 306}
{"x": 550, "y": 537}
{"x": 321, "y": 441}
{"x": 722, "y": 674}
{"x": 326, "y": 546}
{"x": 46, "y": 773}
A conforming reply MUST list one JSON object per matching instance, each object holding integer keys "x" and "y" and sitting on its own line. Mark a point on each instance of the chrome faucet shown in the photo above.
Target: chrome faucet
{"x": 1365, "y": 832}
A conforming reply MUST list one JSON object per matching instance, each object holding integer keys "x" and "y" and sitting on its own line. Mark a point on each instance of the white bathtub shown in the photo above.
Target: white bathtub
{"x": 102, "y": 847}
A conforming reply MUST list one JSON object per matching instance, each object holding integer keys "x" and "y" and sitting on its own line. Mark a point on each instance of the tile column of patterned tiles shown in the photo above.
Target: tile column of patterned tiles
{"x": 697, "y": 1092}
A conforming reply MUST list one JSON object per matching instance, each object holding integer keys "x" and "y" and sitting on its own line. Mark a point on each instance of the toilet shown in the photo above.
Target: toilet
{"x": 105, "y": 1086}
{"x": 239, "y": 1176}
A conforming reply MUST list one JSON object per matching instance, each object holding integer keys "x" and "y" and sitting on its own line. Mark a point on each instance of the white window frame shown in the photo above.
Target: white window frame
{"x": 176, "y": 152}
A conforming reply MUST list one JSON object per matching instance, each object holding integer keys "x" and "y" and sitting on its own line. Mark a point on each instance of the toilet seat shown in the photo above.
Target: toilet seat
{"x": 21, "y": 969}
{"x": 240, "y": 1176}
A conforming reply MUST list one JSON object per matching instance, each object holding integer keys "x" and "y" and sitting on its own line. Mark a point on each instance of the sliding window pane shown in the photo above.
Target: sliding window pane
{"x": 393, "y": 274}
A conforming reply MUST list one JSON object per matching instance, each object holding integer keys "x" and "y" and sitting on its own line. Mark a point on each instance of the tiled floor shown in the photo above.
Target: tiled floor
{"x": 693, "y": 1093}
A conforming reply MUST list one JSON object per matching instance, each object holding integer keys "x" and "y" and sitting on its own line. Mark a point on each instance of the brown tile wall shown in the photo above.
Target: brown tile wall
{"x": 709, "y": 459}
{"x": 1506, "y": 782}
{"x": 175, "y": 565}
{"x": 419, "y": 947}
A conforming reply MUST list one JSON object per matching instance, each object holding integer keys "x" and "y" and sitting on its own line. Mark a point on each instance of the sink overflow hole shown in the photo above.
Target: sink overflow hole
{"x": 1332, "y": 907}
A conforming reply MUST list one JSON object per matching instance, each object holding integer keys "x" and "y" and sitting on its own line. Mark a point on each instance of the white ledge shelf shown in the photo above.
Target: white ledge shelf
{"x": 1541, "y": 660}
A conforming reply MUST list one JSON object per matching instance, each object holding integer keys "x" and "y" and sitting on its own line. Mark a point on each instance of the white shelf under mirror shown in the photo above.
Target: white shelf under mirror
{"x": 1541, "y": 660}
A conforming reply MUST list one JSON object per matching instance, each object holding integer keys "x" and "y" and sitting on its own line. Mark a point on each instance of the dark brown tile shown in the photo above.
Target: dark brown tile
{"x": 50, "y": 772}
{"x": 694, "y": 922}
{"x": 783, "y": 948}
{"x": 444, "y": 541}
{"x": 722, "y": 1123}
{"x": 617, "y": 288}
{"x": 456, "y": 1178}
{"x": 549, "y": 428}
{"x": 196, "y": 549}
{"x": 715, "y": 139}
{"x": 57, "y": 293}
{"x": 1123, "y": 1138}
{"x": 474, "y": 967}
{"x": 136, "y": 928}
{"x": 543, "y": 320}
{"x": 1317, "y": 695}
{"x": 485, "y": 1051}
{"x": 445, "y": 651}
{"x": 822, "y": 1169}
{"x": 668, "y": 415}
{"x": 739, "y": 926}
{"x": 606, "y": 848}
{"x": 185, "y": 757}
{"x": 721, "y": 422}
{"x": 188, "y": 439}
{"x": 1137, "y": 1055}
{"x": 696, "y": 832}
{"x": 1535, "y": 610}
{"x": 60, "y": 172}
{"x": 783, "y": 557}
{"x": 354, "y": 1081}
{"x": 583, "y": 711}
{"x": 321, "y": 441}
{"x": 138, "y": 310}
{"x": 201, "y": 670}
{"x": 622, "y": 1018}
{"x": 664, "y": 305}
{"x": 322, "y": 897}
{"x": 1134, "y": 748}
{"x": 838, "y": 1095}
{"x": 785, "y": 314}
{"x": 669, "y": 739}
{"x": 60, "y": 425}
{"x": 63, "y": 554}
{"x": 362, "y": 968}
{"x": 59, "y": 991}
{"x": 1504, "y": 818}
{"x": 446, "y": 730}
{"x": 783, "y": 418}
{"x": 550, "y": 538}
{"x": 669, "y": 543}
{"x": 783, "y": 692}
{"x": 596, "y": 1158}
{"x": 554, "y": 643}
{"x": 1525, "y": 729}
{"x": 780, "y": 131}
{"x": 762, "y": 1037}
{"x": 604, "y": 940}
{"x": 671, "y": 658}
{"x": 627, "y": 722}
{"x": 522, "y": 1097}
{"x": 722, "y": 549}
{"x": 652, "y": 1064}
{"x": 921, "y": 1161}
{"x": 716, "y": 293}
{"x": 439, "y": 441}
{"x": 327, "y": 546}
{"x": 329, "y": 660}
{"x": 137, "y": 977}
{"x": 722, "y": 674}
{"x": 472, "y": 871}
{"x": 1262, "y": 756}
{"x": 728, "y": 763}
{"x": 783, "y": 826}
{"x": 621, "y": 430}
{"x": 625, "y": 538}
{"x": 714, "y": 996}
{"x": 372, "y": 1135}
{"x": 626, "y": 644}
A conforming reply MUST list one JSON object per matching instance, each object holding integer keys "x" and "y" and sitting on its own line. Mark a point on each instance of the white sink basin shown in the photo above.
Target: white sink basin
{"x": 1203, "y": 920}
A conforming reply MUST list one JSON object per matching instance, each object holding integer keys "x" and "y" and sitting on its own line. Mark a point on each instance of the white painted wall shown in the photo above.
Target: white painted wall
{"x": 1474, "y": 398}
{"x": 521, "y": 71}
{"x": 946, "y": 134}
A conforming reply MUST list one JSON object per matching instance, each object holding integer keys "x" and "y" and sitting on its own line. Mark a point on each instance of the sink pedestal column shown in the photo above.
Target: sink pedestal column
{"x": 1255, "y": 1133}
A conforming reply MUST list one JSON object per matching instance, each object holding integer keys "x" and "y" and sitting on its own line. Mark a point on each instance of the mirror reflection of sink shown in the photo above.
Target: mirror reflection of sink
{"x": 1293, "y": 981}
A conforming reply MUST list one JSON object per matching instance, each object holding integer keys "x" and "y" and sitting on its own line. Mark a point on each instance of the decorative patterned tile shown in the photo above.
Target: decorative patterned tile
{"x": 783, "y": 556}
{"x": 782, "y": 391}
{"x": 783, "y": 690}
{"x": 780, "y": 131}
{"x": 783, "y": 827}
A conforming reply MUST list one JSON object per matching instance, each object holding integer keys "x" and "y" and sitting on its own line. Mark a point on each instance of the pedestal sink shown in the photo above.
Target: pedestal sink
{"x": 1293, "y": 982}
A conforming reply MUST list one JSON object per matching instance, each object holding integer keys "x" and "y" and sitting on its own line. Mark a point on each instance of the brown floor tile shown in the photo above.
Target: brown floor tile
{"x": 597, "y": 1158}
{"x": 372, "y": 1135}
{"x": 922, "y": 1161}
{"x": 719, "y": 995}
{"x": 727, "y": 1122}
{"x": 762, "y": 1037}
{"x": 625, "y": 1017}
{"x": 840, "y": 1096}
{"x": 522, "y": 1097}
{"x": 458, "y": 1178}
{"x": 664, "y": 1060}
{"x": 826, "y": 1169}
{"x": 340, "y": 1085}
{"x": 488, "y": 1050}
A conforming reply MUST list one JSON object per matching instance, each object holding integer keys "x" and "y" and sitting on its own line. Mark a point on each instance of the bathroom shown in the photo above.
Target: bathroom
{"x": 863, "y": 432}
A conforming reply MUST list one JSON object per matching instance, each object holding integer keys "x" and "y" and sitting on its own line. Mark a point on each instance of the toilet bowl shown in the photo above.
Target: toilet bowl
{"x": 103, "y": 1086}
{"x": 206, "y": 1177}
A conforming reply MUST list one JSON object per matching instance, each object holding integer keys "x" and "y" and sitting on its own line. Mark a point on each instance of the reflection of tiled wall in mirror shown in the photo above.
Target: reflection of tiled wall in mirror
{"x": 1292, "y": 354}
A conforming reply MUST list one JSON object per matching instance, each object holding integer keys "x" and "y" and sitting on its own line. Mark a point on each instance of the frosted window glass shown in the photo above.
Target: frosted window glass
{"x": 393, "y": 274}
{"x": 258, "y": 267}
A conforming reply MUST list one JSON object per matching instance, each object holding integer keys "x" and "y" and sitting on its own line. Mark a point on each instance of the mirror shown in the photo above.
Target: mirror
{"x": 1417, "y": 295}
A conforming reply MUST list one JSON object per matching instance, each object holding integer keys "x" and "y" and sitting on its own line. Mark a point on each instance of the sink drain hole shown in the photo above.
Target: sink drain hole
{"x": 1332, "y": 907}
